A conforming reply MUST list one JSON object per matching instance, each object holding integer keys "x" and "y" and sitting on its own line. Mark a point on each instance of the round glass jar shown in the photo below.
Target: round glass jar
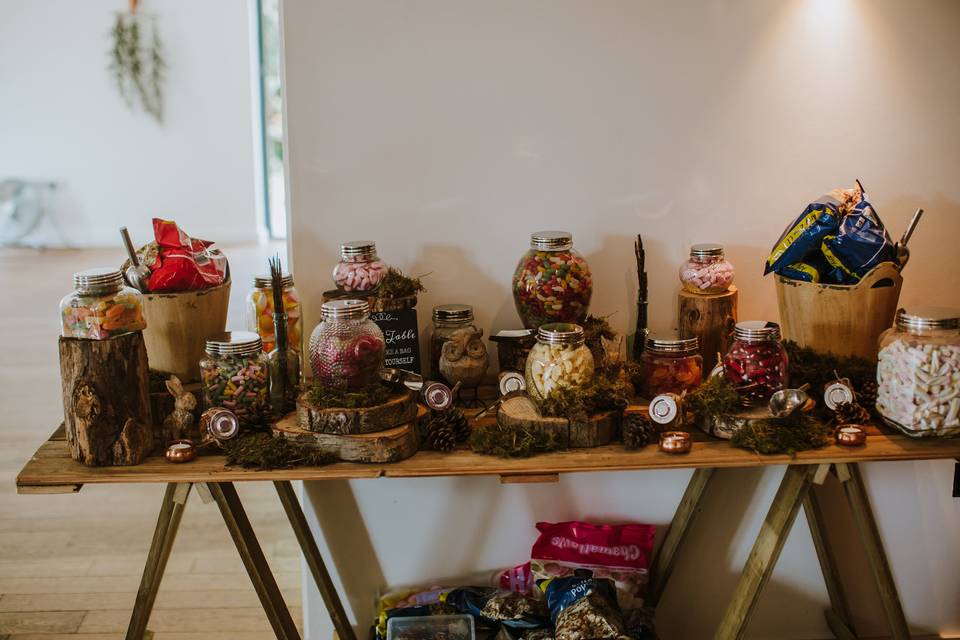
{"x": 447, "y": 318}
{"x": 918, "y": 372}
{"x": 560, "y": 358}
{"x": 552, "y": 282}
{"x": 101, "y": 306}
{"x": 706, "y": 271}
{"x": 756, "y": 362}
{"x": 670, "y": 364}
{"x": 347, "y": 347}
{"x": 235, "y": 375}
{"x": 359, "y": 269}
{"x": 260, "y": 312}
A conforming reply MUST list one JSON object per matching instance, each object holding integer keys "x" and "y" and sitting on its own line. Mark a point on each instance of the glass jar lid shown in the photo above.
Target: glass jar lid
{"x": 234, "y": 343}
{"x": 756, "y": 331}
{"x": 98, "y": 278}
{"x": 348, "y": 309}
{"x": 706, "y": 250}
{"x": 561, "y": 334}
{"x": 358, "y": 249}
{"x": 921, "y": 318}
{"x": 266, "y": 282}
{"x": 453, "y": 313}
{"x": 670, "y": 343}
{"x": 551, "y": 240}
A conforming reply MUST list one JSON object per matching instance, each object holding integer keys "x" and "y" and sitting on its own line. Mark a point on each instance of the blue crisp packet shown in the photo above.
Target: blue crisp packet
{"x": 806, "y": 233}
{"x": 861, "y": 243}
{"x": 801, "y": 271}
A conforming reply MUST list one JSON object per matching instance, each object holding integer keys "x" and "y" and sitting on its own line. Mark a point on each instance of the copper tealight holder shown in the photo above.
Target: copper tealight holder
{"x": 850, "y": 435}
{"x": 675, "y": 442}
{"x": 180, "y": 451}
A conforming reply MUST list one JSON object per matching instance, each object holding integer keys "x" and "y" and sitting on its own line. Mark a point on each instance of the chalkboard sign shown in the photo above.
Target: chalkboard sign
{"x": 402, "y": 338}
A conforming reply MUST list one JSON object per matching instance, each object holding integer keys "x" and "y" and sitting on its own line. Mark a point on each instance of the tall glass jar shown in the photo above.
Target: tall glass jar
{"x": 918, "y": 372}
{"x": 347, "y": 347}
{"x": 360, "y": 268}
{"x": 260, "y": 312}
{"x": 670, "y": 364}
{"x": 707, "y": 271}
{"x": 100, "y": 306}
{"x": 756, "y": 362}
{"x": 447, "y": 318}
{"x": 560, "y": 358}
{"x": 552, "y": 282}
{"x": 235, "y": 375}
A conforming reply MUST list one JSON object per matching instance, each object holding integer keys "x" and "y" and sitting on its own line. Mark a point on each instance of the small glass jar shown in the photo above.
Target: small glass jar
{"x": 707, "y": 271}
{"x": 918, "y": 372}
{"x": 260, "y": 312}
{"x": 447, "y": 318}
{"x": 756, "y": 362}
{"x": 559, "y": 359}
{"x": 235, "y": 375}
{"x": 347, "y": 347}
{"x": 552, "y": 282}
{"x": 100, "y": 306}
{"x": 359, "y": 269}
{"x": 670, "y": 364}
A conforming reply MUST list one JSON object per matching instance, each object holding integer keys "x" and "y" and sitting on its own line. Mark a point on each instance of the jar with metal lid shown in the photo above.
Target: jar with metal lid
{"x": 101, "y": 306}
{"x": 670, "y": 364}
{"x": 918, "y": 372}
{"x": 347, "y": 347}
{"x": 359, "y": 269}
{"x": 447, "y": 319}
{"x": 560, "y": 358}
{"x": 756, "y": 362}
{"x": 706, "y": 271}
{"x": 260, "y": 312}
{"x": 235, "y": 375}
{"x": 552, "y": 282}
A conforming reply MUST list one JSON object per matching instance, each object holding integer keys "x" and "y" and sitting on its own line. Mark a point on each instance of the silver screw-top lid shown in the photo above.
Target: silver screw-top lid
{"x": 706, "y": 250}
{"x": 453, "y": 313}
{"x": 756, "y": 331}
{"x": 838, "y": 393}
{"x": 551, "y": 240}
{"x": 221, "y": 424}
{"x": 511, "y": 381}
{"x": 437, "y": 396}
{"x": 670, "y": 343}
{"x": 234, "y": 343}
{"x": 348, "y": 309}
{"x": 924, "y": 318}
{"x": 561, "y": 334}
{"x": 266, "y": 282}
{"x": 98, "y": 278}
{"x": 358, "y": 249}
{"x": 664, "y": 408}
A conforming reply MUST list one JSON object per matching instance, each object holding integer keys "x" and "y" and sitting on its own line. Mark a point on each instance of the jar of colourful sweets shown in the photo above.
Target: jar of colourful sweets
{"x": 447, "y": 318}
{"x": 101, "y": 306}
{"x": 260, "y": 312}
{"x": 706, "y": 271}
{"x": 756, "y": 362}
{"x": 560, "y": 358}
{"x": 918, "y": 372}
{"x": 359, "y": 269}
{"x": 552, "y": 282}
{"x": 670, "y": 364}
{"x": 347, "y": 347}
{"x": 235, "y": 375}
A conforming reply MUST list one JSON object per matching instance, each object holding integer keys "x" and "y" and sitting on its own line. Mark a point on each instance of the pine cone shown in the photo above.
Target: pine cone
{"x": 851, "y": 412}
{"x": 637, "y": 430}
{"x": 867, "y": 394}
{"x": 455, "y": 420}
{"x": 440, "y": 436}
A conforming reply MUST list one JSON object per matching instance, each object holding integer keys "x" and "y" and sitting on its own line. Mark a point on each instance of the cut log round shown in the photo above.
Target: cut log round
{"x": 727, "y": 425}
{"x": 106, "y": 399}
{"x": 391, "y": 445}
{"x": 711, "y": 318}
{"x": 400, "y": 409}
{"x": 599, "y": 429}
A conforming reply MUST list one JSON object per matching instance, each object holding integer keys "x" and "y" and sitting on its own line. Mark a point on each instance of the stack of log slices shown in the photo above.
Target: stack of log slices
{"x": 382, "y": 433}
{"x": 521, "y": 412}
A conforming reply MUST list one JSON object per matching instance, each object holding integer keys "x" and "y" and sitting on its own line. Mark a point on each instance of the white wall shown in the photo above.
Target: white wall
{"x": 62, "y": 119}
{"x": 448, "y": 131}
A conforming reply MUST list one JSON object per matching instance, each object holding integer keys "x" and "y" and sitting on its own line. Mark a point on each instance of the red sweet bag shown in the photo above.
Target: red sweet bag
{"x": 184, "y": 263}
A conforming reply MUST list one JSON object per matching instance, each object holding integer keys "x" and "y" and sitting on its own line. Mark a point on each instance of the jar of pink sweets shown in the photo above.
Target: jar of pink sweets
{"x": 359, "y": 269}
{"x": 756, "y": 362}
{"x": 707, "y": 271}
{"x": 347, "y": 347}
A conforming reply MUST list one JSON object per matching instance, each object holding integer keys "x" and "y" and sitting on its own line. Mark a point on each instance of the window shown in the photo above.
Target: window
{"x": 271, "y": 112}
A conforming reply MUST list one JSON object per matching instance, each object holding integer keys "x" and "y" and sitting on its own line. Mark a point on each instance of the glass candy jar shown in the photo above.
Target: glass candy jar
{"x": 359, "y": 269}
{"x": 756, "y": 362}
{"x": 706, "y": 271}
{"x": 260, "y": 312}
{"x": 918, "y": 372}
{"x": 670, "y": 364}
{"x": 560, "y": 358}
{"x": 552, "y": 282}
{"x": 447, "y": 318}
{"x": 347, "y": 347}
{"x": 235, "y": 375}
{"x": 100, "y": 306}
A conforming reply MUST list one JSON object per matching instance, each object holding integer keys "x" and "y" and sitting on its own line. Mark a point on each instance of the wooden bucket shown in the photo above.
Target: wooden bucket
{"x": 178, "y": 325}
{"x": 846, "y": 320}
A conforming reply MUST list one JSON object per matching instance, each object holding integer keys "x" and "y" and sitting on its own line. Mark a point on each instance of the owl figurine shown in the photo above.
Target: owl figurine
{"x": 464, "y": 359}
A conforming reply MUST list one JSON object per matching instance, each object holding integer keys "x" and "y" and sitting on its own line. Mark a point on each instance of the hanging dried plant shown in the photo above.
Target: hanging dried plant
{"x": 138, "y": 67}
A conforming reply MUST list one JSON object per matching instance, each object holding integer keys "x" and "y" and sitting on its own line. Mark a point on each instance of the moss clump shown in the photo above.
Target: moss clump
{"x": 327, "y": 398}
{"x": 596, "y": 328}
{"x": 262, "y": 451}
{"x": 817, "y": 369}
{"x": 715, "y": 397}
{"x": 603, "y": 393}
{"x": 512, "y": 442}
{"x": 789, "y": 435}
{"x": 396, "y": 285}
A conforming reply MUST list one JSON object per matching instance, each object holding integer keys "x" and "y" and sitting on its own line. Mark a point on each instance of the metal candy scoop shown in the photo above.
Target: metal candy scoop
{"x": 402, "y": 378}
{"x": 903, "y": 252}
{"x": 786, "y": 401}
{"x": 137, "y": 273}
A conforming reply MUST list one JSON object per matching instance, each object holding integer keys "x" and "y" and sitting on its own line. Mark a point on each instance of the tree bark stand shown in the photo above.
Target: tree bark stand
{"x": 711, "y": 318}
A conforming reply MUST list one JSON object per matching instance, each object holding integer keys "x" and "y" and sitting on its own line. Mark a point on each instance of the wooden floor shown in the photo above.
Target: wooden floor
{"x": 70, "y": 564}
